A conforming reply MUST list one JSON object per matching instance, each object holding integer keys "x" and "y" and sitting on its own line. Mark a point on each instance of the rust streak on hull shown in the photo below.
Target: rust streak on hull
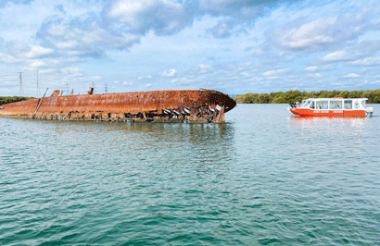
{"x": 195, "y": 106}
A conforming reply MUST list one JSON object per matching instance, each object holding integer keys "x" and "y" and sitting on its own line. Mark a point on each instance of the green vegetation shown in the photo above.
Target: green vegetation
{"x": 297, "y": 96}
{"x": 5, "y": 100}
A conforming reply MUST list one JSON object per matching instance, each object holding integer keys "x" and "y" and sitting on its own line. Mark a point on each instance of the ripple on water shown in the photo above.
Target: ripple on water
{"x": 265, "y": 178}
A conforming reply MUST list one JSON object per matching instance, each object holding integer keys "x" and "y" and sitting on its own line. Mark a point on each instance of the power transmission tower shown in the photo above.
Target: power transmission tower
{"x": 37, "y": 84}
{"x": 67, "y": 88}
{"x": 21, "y": 89}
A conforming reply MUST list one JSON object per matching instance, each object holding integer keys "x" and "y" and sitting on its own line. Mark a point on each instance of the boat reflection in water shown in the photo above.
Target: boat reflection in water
{"x": 330, "y": 125}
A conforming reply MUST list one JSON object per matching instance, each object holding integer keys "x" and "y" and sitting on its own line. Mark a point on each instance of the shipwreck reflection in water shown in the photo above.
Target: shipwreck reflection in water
{"x": 140, "y": 141}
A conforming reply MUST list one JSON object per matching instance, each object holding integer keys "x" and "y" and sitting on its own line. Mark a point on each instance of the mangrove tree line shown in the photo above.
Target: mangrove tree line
{"x": 5, "y": 100}
{"x": 297, "y": 96}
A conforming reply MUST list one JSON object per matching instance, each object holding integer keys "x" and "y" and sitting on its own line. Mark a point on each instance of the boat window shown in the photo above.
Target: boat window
{"x": 312, "y": 105}
{"x": 347, "y": 104}
{"x": 322, "y": 104}
{"x": 335, "y": 104}
{"x": 364, "y": 103}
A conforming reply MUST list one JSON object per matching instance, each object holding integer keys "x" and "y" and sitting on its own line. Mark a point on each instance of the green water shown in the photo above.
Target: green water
{"x": 265, "y": 178}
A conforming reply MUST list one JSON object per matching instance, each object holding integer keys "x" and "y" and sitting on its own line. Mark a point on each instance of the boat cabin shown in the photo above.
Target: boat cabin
{"x": 335, "y": 103}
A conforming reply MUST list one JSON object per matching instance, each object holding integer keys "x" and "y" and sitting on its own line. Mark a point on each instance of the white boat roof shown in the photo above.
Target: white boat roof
{"x": 335, "y": 98}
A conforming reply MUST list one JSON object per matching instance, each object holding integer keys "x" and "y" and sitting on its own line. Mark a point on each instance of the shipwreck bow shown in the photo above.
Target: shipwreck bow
{"x": 194, "y": 106}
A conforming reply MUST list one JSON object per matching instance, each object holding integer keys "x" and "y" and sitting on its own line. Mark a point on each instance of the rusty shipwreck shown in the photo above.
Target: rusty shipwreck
{"x": 192, "y": 106}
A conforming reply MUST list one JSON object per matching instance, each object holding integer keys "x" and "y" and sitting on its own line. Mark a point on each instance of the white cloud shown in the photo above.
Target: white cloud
{"x": 38, "y": 51}
{"x": 311, "y": 69}
{"x": 245, "y": 74}
{"x": 222, "y": 30}
{"x": 181, "y": 81}
{"x": 97, "y": 77}
{"x": 124, "y": 40}
{"x": 148, "y": 85}
{"x": 273, "y": 78}
{"x": 46, "y": 71}
{"x": 201, "y": 69}
{"x": 351, "y": 75}
{"x": 275, "y": 73}
{"x": 309, "y": 35}
{"x": 259, "y": 51}
{"x": 71, "y": 71}
{"x": 369, "y": 61}
{"x": 86, "y": 37}
{"x": 330, "y": 30}
{"x": 162, "y": 16}
{"x": 337, "y": 56}
{"x": 5, "y": 58}
{"x": 37, "y": 64}
{"x": 169, "y": 73}
{"x": 375, "y": 82}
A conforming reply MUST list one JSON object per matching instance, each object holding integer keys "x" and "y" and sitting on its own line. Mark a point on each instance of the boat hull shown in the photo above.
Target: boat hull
{"x": 196, "y": 106}
{"x": 305, "y": 112}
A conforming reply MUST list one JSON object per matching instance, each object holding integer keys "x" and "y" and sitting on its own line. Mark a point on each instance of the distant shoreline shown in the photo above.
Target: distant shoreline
{"x": 6, "y": 100}
{"x": 297, "y": 96}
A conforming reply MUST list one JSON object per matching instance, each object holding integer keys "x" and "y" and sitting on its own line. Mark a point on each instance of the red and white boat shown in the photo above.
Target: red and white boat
{"x": 332, "y": 107}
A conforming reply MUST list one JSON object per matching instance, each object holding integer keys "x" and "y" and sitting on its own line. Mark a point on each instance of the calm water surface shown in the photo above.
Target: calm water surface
{"x": 265, "y": 178}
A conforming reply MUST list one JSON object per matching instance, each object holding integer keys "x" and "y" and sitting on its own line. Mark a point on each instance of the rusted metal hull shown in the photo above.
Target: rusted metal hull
{"x": 193, "y": 106}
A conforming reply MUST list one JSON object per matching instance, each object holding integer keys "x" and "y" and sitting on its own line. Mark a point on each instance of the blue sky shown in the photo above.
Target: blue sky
{"x": 228, "y": 45}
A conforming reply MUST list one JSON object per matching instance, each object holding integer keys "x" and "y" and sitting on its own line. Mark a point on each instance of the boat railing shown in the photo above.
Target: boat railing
{"x": 295, "y": 105}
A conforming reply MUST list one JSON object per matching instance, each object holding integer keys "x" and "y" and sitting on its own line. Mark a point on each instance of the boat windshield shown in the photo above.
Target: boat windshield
{"x": 306, "y": 104}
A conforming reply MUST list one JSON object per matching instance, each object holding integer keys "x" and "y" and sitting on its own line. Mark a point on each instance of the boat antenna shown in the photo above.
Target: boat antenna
{"x": 37, "y": 83}
{"x": 21, "y": 89}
